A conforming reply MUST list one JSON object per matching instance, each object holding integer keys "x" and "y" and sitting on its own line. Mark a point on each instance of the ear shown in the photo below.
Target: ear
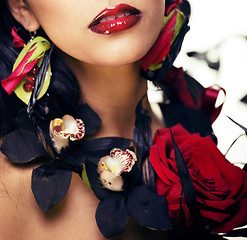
{"x": 23, "y": 14}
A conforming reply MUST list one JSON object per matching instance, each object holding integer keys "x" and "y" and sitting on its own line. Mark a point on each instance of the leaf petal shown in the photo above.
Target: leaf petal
{"x": 22, "y": 146}
{"x": 50, "y": 183}
{"x": 148, "y": 208}
{"x": 111, "y": 215}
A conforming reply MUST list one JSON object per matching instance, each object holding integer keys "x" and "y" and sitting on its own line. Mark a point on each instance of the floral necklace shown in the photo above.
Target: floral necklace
{"x": 180, "y": 179}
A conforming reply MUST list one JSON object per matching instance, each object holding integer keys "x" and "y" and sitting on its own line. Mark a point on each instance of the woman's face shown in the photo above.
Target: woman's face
{"x": 113, "y": 43}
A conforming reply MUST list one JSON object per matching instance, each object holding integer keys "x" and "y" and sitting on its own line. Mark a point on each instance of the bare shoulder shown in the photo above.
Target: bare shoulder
{"x": 20, "y": 216}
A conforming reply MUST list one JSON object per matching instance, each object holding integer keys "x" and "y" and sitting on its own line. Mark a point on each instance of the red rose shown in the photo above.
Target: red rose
{"x": 161, "y": 46}
{"x": 172, "y": 5}
{"x": 220, "y": 187}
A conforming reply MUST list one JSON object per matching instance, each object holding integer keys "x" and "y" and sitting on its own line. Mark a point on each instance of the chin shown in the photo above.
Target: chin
{"x": 125, "y": 47}
{"x": 123, "y": 56}
{"x": 117, "y": 62}
{"x": 112, "y": 51}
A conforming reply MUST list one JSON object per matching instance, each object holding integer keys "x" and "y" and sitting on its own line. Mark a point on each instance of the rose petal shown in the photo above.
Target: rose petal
{"x": 238, "y": 219}
{"x": 214, "y": 215}
{"x": 222, "y": 205}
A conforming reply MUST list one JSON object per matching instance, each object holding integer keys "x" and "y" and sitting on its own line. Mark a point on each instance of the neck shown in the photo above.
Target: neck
{"x": 116, "y": 88}
{"x": 113, "y": 93}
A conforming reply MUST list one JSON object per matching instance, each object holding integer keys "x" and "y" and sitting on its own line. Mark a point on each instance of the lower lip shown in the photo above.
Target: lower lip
{"x": 116, "y": 25}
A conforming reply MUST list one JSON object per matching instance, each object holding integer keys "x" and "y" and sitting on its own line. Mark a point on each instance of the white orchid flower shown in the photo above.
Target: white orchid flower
{"x": 110, "y": 168}
{"x": 64, "y": 129}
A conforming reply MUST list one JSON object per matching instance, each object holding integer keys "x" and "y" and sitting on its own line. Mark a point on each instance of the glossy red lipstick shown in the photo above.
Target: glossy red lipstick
{"x": 116, "y": 19}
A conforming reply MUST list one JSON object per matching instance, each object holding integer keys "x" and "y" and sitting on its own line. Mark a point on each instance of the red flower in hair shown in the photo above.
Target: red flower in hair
{"x": 172, "y": 25}
{"x": 172, "y": 6}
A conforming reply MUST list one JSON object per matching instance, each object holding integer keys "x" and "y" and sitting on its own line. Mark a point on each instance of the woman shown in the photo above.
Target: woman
{"x": 96, "y": 49}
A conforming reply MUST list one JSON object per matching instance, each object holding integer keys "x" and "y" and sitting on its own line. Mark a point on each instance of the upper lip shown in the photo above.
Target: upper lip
{"x": 119, "y": 10}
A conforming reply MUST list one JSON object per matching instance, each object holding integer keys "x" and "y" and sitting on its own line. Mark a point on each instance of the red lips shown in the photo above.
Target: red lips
{"x": 117, "y": 19}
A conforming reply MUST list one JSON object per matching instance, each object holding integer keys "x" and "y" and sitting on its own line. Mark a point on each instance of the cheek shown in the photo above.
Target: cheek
{"x": 152, "y": 22}
{"x": 61, "y": 18}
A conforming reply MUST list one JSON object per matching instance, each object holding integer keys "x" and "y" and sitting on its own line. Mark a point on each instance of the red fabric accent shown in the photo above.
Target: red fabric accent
{"x": 161, "y": 46}
{"x": 9, "y": 84}
{"x": 175, "y": 78}
{"x": 207, "y": 102}
{"x": 208, "y": 97}
{"x": 17, "y": 41}
{"x": 220, "y": 187}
